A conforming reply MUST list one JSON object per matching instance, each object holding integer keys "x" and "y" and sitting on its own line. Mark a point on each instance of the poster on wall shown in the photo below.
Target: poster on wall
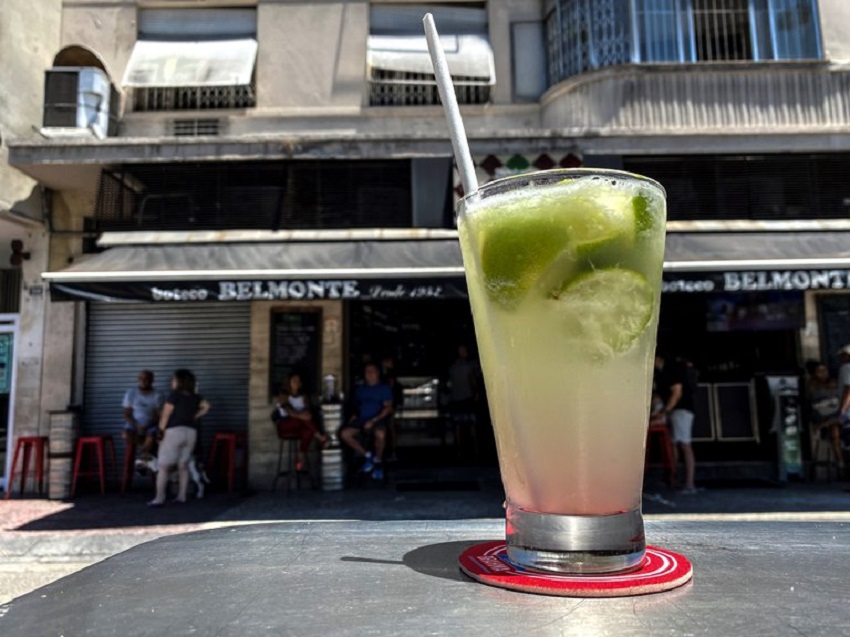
{"x": 5, "y": 363}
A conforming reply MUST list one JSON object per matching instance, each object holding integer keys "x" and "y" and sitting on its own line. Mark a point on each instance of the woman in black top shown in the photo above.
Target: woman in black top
{"x": 179, "y": 426}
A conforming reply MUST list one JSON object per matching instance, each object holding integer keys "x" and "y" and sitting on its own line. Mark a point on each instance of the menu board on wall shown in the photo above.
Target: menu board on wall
{"x": 296, "y": 347}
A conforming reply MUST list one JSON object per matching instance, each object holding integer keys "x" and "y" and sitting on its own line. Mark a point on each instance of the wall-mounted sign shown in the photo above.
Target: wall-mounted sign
{"x": 756, "y": 281}
{"x": 6, "y": 363}
{"x": 261, "y": 290}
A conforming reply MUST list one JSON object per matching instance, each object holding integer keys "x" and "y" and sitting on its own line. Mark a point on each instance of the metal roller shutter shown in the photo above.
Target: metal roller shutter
{"x": 211, "y": 339}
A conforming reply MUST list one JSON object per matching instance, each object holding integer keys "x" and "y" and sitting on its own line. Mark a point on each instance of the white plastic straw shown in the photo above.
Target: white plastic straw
{"x": 447, "y": 94}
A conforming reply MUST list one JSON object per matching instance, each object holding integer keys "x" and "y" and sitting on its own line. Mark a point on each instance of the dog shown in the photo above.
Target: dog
{"x": 197, "y": 474}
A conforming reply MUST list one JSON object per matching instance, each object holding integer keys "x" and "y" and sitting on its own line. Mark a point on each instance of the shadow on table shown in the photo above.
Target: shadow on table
{"x": 111, "y": 511}
{"x": 438, "y": 560}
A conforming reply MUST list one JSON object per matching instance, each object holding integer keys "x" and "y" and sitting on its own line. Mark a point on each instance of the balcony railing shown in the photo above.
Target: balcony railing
{"x": 701, "y": 98}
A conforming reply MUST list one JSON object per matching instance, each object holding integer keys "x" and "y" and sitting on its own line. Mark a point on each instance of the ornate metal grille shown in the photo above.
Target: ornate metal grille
{"x": 587, "y": 34}
{"x": 167, "y": 98}
{"x": 394, "y": 88}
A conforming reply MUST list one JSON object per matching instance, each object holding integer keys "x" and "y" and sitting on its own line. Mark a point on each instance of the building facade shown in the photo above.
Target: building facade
{"x": 248, "y": 188}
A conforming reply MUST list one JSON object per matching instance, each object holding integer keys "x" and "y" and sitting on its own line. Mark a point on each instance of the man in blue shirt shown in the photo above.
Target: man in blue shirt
{"x": 373, "y": 403}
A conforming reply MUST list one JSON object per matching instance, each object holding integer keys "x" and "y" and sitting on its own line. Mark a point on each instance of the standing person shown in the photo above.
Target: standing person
{"x": 373, "y": 404}
{"x": 844, "y": 388}
{"x": 142, "y": 407}
{"x": 677, "y": 386}
{"x": 179, "y": 426}
{"x": 464, "y": 380}
{"x": 824, "y": 398}
{"x": 294, "y": 417}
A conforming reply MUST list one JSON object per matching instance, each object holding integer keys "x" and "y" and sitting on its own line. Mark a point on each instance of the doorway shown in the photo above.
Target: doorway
{"x": 8, "y": 338}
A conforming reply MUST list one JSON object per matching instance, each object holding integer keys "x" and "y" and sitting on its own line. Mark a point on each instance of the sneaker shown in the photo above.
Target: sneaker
{"x": 378, "y": 473}
{"x": 692, "y": 491}
{"x": 368, "y": 465}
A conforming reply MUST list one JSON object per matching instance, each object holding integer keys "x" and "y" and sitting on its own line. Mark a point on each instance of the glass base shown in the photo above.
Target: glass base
{"x": 575, "y": 544}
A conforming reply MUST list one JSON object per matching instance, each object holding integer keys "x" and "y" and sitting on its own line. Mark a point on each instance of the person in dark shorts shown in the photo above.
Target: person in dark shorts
{"x": 373, "y": 404}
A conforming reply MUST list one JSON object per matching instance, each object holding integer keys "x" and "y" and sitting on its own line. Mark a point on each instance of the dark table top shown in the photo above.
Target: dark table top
{"x": 402, "y": 578}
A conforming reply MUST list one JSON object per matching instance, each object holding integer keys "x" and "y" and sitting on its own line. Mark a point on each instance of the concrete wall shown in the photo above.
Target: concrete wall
{"x": 835, "y": 24}
{"x": 107, "y": 28}
{"x": 29, "y": 35}
{"x": 262, "y": 436}
{"x": 312, "y": 54}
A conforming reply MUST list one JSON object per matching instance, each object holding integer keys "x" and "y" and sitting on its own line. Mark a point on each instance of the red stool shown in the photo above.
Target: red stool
{"x": 231, "y": 441}
{"x": 96, "y": 444}
{"x": 659, "y": 435}
{"x": 27, "y": 444}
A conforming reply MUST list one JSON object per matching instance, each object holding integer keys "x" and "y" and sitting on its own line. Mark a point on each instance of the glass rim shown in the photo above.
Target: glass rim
{"x": 556, "y": 173}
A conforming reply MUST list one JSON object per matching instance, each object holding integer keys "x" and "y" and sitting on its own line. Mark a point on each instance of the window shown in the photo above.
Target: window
{"x": 399, "y": 66}
{"x": 722, "y": 30}
{"x": 766, "y": 187}
{"x": 256, "y": 195}
{"x": 187, "y": 59}
{"x": 583, "y": 35}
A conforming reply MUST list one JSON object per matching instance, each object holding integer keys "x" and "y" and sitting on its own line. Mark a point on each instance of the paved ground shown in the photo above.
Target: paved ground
{"x": 41, "y": 541}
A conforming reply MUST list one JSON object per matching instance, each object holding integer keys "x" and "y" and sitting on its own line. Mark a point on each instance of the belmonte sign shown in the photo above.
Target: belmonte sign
{"x": 413, "y": 288}
{"x": 757, "y": 281}
{"x": 258, "y": 290}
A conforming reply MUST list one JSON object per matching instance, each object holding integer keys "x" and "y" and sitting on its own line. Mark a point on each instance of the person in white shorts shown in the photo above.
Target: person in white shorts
{"x": 677, "y": 384}
{"x": 179, "y": 425}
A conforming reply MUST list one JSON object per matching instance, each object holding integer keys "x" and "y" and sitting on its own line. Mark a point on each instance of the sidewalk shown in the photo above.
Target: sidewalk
{"x": 41, "y": 541}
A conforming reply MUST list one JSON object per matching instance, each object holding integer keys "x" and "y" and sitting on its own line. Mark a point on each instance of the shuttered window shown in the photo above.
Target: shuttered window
{"x": 193, "y": 59}
{"x": 399, "y": 65}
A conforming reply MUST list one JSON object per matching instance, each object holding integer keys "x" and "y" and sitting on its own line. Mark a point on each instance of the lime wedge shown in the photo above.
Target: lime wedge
{"x": 604, "y": 312}
{"x": 597, "y": 213}
{"x": 514, "y": 251}
{"x": 643, "y": 216}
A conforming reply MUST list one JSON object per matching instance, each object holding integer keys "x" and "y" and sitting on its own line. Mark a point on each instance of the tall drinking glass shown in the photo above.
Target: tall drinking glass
{"x": 564, "y": 275}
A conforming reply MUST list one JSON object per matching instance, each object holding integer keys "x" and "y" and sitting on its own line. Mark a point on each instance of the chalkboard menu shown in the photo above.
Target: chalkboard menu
{"x": 703, "y": 428}
{"x": 296, "y": 346}
{"x": 735, "y": 414}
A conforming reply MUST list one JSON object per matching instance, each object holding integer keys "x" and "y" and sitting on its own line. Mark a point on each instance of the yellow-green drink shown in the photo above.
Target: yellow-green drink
{"x": 564, "y": 275}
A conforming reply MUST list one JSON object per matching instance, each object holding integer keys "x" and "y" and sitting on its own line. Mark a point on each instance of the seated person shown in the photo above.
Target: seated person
{"x": 294, "y": 418}
{"x": 373, "y": 404}
{"x": 142, "y": 407}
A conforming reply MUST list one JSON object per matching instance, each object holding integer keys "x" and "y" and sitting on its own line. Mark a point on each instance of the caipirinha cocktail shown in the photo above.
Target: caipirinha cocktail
{"x": 564, "y": 277}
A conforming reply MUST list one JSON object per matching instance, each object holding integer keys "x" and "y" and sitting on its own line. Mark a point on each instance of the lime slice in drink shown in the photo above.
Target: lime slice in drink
{"x": 604, "y": 312}
{"x": 514, "y": 251}
{"x": 643, "y": 216}
{"x": 598, "y": 213}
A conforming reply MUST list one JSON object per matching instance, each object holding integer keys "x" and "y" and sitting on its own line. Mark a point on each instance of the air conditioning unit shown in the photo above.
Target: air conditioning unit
{"x": 79, "y": 101}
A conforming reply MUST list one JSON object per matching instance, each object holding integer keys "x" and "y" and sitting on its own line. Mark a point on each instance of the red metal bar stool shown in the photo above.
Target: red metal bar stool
{"x": 26, "y": 445}
{"x": 231, "y": 441}
{"x": 659, "y": 436}
{"x": 96, "y": 444}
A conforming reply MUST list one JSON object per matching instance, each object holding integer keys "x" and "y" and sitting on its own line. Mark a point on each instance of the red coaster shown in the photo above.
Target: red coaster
{"x": 662, "y": 570}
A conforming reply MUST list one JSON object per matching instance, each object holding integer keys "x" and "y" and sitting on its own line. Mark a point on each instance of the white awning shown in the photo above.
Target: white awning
{"x": 467, "y": 55}
{"x": 200, "y": 63}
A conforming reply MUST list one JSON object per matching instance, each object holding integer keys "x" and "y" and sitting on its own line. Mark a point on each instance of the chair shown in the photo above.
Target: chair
{"x": 97, "y": 445}
{"x": 26, "y": 445}
{"x": 659, "y": 436}
{"x": 291, "y": 443}
{"x": 230, "y": 441}
{"x": 823, "y": 443}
